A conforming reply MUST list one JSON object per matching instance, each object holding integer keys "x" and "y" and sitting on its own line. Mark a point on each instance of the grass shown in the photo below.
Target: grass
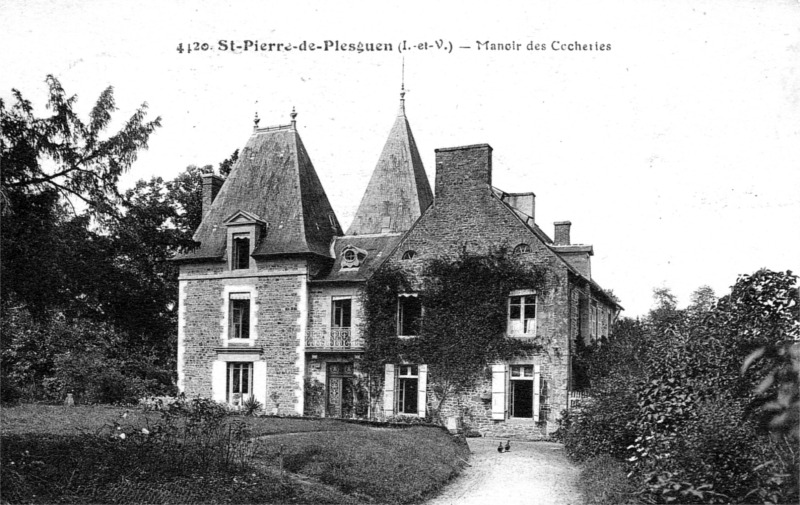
{"x": 603, "y": 481}
{"x": 55, "y": 454}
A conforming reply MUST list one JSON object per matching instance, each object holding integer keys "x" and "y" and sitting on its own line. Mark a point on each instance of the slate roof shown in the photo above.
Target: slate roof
{"x": 398, "y": 191}
{"x": 275, "y": 180}
{"x": 377, "y": 247}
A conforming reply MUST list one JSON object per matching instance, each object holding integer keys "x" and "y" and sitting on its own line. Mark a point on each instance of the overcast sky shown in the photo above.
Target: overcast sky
{"x": 676, "y": 153}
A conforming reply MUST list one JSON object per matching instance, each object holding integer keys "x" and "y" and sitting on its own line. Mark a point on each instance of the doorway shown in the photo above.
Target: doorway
{"x": 340, "y": 394}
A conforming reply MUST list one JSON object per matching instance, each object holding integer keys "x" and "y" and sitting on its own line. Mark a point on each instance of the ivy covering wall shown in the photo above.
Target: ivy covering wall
{"x": 463, "y": 326}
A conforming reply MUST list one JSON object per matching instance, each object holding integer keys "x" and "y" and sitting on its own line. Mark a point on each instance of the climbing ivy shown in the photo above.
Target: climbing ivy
{"x": 463, "y": 328}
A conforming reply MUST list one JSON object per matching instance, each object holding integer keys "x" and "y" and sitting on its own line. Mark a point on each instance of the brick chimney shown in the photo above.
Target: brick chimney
{"x": 462, "y": 172}
{"x": 562, "y": 232}
{"x": 211, "y": 185}
{"x": 523, "y": 202}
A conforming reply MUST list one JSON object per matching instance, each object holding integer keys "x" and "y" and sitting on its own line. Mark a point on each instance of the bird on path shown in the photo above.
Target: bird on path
{"x": 500, "y": 447}
{"x": 508, "y": 445}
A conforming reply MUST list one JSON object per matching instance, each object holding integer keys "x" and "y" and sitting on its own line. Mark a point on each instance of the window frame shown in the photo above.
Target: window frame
{"x": 522, "y": 248}
{"x": 239, "y": 253}
{"x": 334, "y": 311}
{"x": 237, "y": 301}
{"x": 401, "y": 316}
{"x": 230, "y": 372}
{"x": 524, "y": 296}
{"x": 402, "y": 392}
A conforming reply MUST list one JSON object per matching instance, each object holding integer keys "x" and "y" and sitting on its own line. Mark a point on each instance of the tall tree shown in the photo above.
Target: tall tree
{"x": 63, "y": 153}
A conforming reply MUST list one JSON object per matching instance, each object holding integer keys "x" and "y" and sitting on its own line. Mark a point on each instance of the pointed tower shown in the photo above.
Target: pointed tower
{"x": 275, "y": 181}
{"x": 398, "y": 191}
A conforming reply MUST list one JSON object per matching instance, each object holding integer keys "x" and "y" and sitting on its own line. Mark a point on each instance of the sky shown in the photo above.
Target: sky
{"x": 675, "y": 151}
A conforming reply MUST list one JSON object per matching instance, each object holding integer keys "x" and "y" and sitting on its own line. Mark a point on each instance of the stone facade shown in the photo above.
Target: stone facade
{"x": 286, "y": 329}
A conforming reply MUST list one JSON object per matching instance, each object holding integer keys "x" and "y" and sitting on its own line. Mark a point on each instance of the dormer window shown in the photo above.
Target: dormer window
{"x": 241, "y": 251}
{"x": 352, "y": 257}
{"x": 244, "y": 230}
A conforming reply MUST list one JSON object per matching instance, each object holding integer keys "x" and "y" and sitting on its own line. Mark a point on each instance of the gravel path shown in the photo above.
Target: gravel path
{"x": 531, "y": 473}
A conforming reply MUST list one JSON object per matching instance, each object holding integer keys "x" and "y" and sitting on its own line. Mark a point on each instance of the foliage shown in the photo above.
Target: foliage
{"x": 464, "y": 325}
{"x": 466, "y": 311}
{"x": 603, "y": 481}
{"x": 314, "y": 404}
{"x": 66, "y": 154}
{"x": 251, "y": 406}
{"x": 674, "y": 382}
{"x": 47, "y": 359}
{"x": 293, "y": 460}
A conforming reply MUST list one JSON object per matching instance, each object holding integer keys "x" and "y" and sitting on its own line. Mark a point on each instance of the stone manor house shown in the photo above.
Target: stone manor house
{"x": 269, "y": 297}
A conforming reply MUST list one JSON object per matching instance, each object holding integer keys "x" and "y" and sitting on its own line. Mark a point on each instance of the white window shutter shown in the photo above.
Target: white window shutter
{"x": 219, "y": 381}
{"x": 388, "y": 391}
{"x": 536, "y": 385}
{"x": 422, "y": 390}
{"x": 260, "y": 382}
{"x": 499, "y": 380}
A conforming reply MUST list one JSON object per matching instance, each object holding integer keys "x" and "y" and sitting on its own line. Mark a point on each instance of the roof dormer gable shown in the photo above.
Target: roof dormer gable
{"x": 242, "y": 217}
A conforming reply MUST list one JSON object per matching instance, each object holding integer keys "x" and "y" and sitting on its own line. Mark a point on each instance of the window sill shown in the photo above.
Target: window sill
{"x": 521, "y": 420}
{"x": 241, "y": 342}
{"x": 407, "y": 336}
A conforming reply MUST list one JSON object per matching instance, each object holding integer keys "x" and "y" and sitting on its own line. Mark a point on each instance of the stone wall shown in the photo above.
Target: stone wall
{"x": 279, "y": 322}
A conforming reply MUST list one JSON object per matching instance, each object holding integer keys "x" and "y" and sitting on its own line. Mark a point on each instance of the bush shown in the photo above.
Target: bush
{"x": 598, "y": 426}
{"x": 671, "y": 396}
{"x": 604, "y": 481}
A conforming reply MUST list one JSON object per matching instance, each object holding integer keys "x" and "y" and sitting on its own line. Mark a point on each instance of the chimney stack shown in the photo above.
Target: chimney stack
{"x": 463, "y": 171}
{"x": 562, "y": 232}
{"x": 523, "y": 202}
{"x": 211, "y": 185}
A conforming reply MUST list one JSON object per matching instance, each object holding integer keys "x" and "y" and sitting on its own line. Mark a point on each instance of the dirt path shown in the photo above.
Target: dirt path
{"x": 531, "y": 473}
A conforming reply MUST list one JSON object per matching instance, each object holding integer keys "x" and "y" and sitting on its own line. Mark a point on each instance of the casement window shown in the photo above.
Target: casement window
{"x": 409, "y": 315}
{"x": 239, "y": 317}
{"x": 240, "y": 259}
{"x": 517, "y": 394}
{"x": 594, "y": 320}
{"x": 240, "y": 383}
{"x": 522, "y": 313}
{"x": 405, "y": 390}
{"x": 341, "y": 313}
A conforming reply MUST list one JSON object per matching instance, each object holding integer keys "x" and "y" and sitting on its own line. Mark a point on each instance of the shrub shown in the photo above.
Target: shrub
{"x": 603, "y": 481}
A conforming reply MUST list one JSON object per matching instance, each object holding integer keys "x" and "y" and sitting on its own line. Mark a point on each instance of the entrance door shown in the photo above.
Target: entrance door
{"x": 340, "y": 390}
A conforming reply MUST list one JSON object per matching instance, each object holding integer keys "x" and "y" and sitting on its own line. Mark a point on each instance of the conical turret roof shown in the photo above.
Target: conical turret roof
{"x": 398, "y": 191}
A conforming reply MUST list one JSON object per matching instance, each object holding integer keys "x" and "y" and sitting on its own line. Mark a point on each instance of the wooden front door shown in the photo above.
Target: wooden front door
{"x": 339, "y": 390}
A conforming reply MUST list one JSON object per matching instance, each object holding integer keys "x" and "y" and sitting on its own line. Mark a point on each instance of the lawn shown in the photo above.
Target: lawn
{"x": 91, "y": 454}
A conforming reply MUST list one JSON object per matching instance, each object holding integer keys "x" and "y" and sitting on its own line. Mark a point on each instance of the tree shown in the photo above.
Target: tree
{"x": 66, "y": 154}
{"x": 227, "y": 165}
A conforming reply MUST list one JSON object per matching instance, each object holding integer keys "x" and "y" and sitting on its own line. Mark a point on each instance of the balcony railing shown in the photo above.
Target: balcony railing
{"x": 332, "y": 338}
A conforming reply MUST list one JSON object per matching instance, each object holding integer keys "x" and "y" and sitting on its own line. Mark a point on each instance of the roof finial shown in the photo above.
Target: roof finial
{"x": 256, "y": 119}
{"x": 403, "y": 88}
{"x": 293, "y": 115}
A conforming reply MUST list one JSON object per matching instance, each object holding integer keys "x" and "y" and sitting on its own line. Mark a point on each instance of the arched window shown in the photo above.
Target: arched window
{"x": 409, "y": 255}
{"x": 522, "y": 248}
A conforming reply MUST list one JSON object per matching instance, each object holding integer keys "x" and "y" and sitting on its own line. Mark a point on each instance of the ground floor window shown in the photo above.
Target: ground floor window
{"x": 240, "y": 383}
{"x": 522, "y": 391}
{"x": 407, "y": 389}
